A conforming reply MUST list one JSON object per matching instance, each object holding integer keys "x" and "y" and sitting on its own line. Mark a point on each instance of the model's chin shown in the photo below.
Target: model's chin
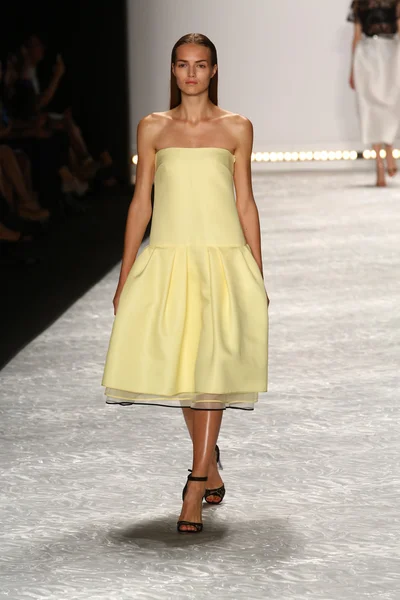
{"x": 192, "y": 90}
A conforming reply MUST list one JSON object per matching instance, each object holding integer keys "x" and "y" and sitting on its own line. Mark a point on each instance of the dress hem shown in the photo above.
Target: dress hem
{"x": 122, "y": 403}
{"x": 196, "y": 400}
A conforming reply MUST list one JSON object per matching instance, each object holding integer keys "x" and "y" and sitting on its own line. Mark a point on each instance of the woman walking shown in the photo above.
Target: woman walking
{"x": 191, "y": 310}
{"x": 375, "y": 76}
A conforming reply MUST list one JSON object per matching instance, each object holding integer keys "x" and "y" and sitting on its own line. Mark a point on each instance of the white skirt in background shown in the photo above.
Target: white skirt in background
{"x": 377, "y": 81}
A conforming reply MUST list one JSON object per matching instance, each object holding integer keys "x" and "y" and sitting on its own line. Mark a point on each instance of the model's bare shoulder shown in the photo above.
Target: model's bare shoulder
{"x": 236, "y": 121}
{"x": 242, "y": 124}
{"x": 152, "y": 123}
{"x": 150, "y": 128}
{"x": 240, "y": 127}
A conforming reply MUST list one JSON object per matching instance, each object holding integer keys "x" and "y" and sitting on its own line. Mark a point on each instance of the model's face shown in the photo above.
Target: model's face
{"x": 193, "y": 69}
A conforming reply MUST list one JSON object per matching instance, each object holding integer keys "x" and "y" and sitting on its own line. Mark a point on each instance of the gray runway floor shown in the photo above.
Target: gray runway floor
{"x": 90, "y": 493}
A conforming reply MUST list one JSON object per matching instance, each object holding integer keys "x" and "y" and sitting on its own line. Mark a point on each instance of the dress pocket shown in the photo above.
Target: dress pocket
{"x": 252, "y": 264}
{"x": 141, "y": 262}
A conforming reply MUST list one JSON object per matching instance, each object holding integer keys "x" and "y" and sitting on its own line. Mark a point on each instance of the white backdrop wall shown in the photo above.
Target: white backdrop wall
{"x": 282, "y": 63}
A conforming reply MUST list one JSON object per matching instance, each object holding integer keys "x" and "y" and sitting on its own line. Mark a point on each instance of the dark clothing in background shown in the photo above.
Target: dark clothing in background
{"x": 47, "y": 156}
{"x": 23, "y": 103}
{"x": 377, "y": 17}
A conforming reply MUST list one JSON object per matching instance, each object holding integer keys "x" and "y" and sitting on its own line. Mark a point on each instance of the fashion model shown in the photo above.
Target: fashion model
{"x": 191, "y": 311}
{"x": 375, "y": 76}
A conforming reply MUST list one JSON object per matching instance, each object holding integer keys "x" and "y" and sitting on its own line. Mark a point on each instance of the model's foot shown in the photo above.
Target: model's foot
{"x": 214, "y": 479}
{"x": 391, "y": 162}
{"x": 191, "y": 508}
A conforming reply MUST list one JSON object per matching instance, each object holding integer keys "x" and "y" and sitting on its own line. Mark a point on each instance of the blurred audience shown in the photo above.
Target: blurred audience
{"x": 45, "y": 164}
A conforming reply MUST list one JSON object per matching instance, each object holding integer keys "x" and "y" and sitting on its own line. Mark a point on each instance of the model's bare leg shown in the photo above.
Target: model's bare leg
{"x": 188, "y": 415}
{"x": 214, "y": 478}
{"x": 390, "y": 161}
{"x": 205, "y": 429}
{"x": 380, "y": 168}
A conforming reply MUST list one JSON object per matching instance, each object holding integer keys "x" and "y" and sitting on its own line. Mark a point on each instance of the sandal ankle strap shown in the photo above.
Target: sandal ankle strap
{"x": 192, "y": 478}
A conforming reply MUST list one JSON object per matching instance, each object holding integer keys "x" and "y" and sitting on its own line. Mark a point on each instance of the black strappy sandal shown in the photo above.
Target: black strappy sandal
{"x": 198, "y": 526}
{"x": 220, "y": 492}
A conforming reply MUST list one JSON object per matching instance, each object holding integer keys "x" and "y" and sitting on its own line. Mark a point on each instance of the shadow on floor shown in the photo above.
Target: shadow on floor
{"x": 269, "y": 540}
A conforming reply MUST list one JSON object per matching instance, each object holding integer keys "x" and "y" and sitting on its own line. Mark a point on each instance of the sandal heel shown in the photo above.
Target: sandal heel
{"x": 220, "y": 492}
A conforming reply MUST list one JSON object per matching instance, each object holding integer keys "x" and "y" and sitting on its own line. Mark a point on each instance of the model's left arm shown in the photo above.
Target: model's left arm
{"x": 245, "y": 203}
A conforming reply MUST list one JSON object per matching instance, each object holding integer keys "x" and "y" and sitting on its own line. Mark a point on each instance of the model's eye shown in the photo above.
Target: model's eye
{"x": 181, "y": 64}
{"x": 202, "y": 66}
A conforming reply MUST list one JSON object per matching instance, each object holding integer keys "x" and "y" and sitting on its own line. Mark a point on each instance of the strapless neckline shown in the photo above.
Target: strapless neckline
{"x": 196, "y": 148}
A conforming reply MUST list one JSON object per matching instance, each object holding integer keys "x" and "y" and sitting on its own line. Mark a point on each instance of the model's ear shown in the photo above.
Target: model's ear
{"x": 173, "y": 69}
{"x": 215, "y": 69}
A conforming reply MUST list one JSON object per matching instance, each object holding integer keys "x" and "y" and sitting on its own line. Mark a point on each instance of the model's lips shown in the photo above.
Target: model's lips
{"x": 192, "y": 82}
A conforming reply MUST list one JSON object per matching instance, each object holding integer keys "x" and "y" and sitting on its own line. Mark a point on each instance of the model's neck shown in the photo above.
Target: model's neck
{"x": 194, "y": 110}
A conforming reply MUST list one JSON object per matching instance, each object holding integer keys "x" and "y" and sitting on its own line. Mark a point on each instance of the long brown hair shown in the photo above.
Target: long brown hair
{"x": 202, "y": 40}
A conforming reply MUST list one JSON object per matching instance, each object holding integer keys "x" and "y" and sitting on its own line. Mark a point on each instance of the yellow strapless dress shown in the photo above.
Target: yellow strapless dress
{"x": 192, "y": 323}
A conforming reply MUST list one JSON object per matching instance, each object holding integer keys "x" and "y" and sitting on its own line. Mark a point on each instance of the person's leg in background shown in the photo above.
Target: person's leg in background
{"x": 380, "y": 167}
{"x": 390, "y": 161}
{"x": 15, "y": 190}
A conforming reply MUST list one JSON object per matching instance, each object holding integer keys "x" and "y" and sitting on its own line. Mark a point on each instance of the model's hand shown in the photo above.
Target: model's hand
{"x": 351, "y": 81}
{"x": 116, "y": 298}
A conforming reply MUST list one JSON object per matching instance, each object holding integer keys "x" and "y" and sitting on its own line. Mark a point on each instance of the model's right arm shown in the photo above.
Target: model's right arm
{"x": 356, "y": 38}
{"x": 140, "y": 210}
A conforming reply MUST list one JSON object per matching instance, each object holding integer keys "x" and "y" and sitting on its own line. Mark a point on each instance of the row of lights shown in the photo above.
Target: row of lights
{"x": 372, "y": 154}
{"x": 323, "y": 155}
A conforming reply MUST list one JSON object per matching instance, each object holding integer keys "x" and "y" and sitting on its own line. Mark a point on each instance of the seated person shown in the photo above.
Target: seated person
{"x": 83, "y": 163}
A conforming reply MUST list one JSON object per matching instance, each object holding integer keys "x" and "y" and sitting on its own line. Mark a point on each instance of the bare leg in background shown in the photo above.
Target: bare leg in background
{"x": 13, "y": 180}
{"x": 380, "y": 167}
{"x": 390, "y": 161}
